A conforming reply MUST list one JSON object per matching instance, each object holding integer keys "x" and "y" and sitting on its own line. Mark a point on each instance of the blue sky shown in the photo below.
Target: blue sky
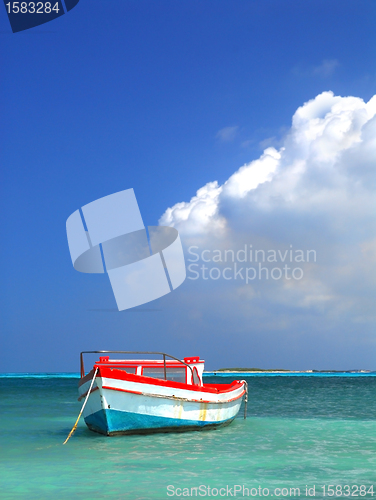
{"x": 165, "y": 97}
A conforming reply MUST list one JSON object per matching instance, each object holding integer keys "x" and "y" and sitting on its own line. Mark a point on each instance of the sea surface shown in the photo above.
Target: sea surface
{"x": 301, "y": 432}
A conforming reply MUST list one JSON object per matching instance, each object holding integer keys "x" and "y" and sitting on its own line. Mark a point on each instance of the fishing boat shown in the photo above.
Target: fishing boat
{"x": 139, "y": 396}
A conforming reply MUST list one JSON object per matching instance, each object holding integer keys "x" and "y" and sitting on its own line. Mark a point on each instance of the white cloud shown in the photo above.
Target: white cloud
{"x": 197, "y": 214}
{"x": 252, "y": 175}
{"x": 315, "y": 169}
{"x": 317, "y": 192}
{"x": 326, "y": 68}
{"x": 227, "y": 134}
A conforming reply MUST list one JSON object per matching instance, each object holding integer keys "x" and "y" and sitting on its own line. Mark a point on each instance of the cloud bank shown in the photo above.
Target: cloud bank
{"x": 315, "y": 192}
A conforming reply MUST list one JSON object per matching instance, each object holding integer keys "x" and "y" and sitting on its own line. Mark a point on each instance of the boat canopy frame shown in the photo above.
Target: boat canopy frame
{"x": 164, "y": 354}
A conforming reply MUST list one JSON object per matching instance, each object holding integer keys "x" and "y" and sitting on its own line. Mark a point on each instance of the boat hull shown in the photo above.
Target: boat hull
{"x": 118, "y": 406}
{"x": 115, "y": 423}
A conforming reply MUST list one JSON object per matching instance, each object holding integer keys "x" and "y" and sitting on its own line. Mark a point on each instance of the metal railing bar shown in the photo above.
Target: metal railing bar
{"x": 164, "y": 354}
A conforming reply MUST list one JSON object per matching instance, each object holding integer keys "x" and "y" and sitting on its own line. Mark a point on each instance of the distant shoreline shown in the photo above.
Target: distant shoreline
{"x": 260, "y": 370}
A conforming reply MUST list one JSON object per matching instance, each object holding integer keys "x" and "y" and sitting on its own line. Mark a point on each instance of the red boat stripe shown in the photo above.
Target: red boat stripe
{"x": 122, "y": 390}
{"x": 116, "y": 374}
{"x": 175, "y": 398}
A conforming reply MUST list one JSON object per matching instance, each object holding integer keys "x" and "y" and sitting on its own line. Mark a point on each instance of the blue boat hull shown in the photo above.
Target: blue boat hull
{"x": 114, "y": 422}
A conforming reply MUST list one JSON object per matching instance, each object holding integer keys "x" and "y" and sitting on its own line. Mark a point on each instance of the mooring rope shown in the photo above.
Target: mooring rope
{"x": 245, "y": 398}
{"x": 83, "y": 406}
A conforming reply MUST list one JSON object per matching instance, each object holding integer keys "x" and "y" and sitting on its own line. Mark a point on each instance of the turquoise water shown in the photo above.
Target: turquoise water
{"x": 300, "y": 431}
